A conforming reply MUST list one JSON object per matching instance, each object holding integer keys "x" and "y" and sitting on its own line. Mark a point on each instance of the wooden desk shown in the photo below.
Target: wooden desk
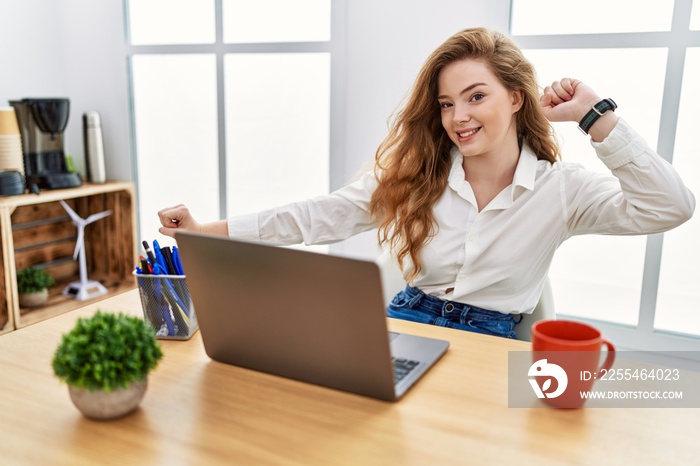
{"x": 197, "y": 411}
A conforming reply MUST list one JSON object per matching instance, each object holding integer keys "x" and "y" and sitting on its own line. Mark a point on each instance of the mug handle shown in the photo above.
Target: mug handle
{"x": 610, "y": 358}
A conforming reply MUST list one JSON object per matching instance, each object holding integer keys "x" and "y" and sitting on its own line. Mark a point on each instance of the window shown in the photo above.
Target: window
{"x": 695, "y": 16}
{"x": 276, "y": 21}
{"x": 162, "y": 22}
{"x": 642, "y": 291}
{"x": 174, "y": 105}
{"x": 231, "y": 104}
{"x": 678, "y": 301}
{"x": 539, "y": 17}
{"x": 277, "y": 108}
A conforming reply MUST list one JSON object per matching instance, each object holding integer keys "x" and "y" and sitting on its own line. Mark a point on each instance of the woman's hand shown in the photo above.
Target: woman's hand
{"x": 177, "y": 218}
{"x": 569, "y": 100}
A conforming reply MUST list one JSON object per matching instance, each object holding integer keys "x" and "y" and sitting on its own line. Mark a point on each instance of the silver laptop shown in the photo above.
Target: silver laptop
{"x": 303, "y": 315}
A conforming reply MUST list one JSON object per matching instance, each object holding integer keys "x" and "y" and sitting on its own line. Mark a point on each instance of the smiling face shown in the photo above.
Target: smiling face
{"x": 477, "y": 111}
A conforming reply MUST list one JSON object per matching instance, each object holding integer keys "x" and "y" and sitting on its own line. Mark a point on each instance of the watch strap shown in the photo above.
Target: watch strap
{"x": 594, "y": 113}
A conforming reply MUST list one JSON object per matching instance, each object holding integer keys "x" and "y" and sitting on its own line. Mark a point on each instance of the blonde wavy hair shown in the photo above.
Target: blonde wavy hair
{"x": 413, "y": 162}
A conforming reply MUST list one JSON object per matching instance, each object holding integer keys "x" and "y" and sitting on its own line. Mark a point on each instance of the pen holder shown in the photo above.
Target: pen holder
{"x": 167, "y": 306}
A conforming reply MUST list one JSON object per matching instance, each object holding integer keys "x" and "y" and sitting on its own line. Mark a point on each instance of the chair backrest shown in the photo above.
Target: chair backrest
{"x": 393, "y": 282}
{"x": 543, "y": 310}
{"x": 392, "y": 278}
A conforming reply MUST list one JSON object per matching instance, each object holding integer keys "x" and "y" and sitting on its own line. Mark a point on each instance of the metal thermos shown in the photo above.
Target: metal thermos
{"x": 94, "y": 148}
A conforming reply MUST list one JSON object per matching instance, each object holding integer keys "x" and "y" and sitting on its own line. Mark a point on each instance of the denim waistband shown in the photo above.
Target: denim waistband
{"x": 437, "y": 305}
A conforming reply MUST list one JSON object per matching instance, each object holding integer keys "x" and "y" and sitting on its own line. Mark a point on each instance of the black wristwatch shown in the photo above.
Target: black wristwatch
{"x": 596, "y": 112}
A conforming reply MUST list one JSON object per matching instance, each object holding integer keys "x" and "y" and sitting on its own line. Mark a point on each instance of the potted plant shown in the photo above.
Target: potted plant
{"x": 32, "y": 286}
{"x": 105, "y": 360}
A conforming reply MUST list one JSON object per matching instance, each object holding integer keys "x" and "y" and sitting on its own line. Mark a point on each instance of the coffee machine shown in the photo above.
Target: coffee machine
{"x": 41, "y": 125}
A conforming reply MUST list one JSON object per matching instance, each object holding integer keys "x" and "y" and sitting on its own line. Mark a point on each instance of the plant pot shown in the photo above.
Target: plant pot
{"x": 34, "y": 299}
{"x": 103, "y": 405}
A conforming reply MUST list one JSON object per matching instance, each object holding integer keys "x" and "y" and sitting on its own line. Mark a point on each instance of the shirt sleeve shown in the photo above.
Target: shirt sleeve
{"x": 321, "y": 220}
{"x": 645, "y": 194}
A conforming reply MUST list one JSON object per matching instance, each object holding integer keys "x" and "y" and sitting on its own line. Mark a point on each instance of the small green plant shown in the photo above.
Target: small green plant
{"x": 33, "y": 279}
{"x": 106, "y": 351}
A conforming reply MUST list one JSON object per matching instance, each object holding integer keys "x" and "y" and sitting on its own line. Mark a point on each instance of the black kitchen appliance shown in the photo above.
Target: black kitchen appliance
{"x": 41, "y": 124}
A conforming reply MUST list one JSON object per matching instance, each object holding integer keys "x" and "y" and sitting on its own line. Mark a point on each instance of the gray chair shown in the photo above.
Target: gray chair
{"x": 393, "y": 282}
{"x": 543, "y": 310}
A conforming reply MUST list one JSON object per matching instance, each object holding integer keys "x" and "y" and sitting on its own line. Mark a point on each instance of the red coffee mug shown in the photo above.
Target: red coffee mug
{"x": 574, "y": 348}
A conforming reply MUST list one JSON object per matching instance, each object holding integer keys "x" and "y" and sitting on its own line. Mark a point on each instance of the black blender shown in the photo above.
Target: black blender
{"x": 41, "y": 124}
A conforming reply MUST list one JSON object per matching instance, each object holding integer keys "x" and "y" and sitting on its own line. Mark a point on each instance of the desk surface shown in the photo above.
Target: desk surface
{"x": 197, "y": 411}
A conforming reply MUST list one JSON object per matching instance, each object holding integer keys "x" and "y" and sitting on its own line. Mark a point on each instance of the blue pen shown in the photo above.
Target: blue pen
{"x": 177, "y": 262}
{"x": 162, "y": 263}
{"x": 159, "y": 257}
{"x": 167, "y": 290}
{"x": 179, "y": 285}
{"x": 174, "y": 296}
{"x": 163, "y": 308}
{"x": 179, "y": 311}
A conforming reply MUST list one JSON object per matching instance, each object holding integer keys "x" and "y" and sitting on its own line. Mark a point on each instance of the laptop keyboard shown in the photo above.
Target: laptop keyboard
{"x": 402, "y": 367}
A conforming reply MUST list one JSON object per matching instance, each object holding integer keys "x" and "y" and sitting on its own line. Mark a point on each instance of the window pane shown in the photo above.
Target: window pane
{"x": 277, "y": 128}
{"x": 276, "y": 20}
{"x": 533, "y": 17}
{"x": 679, "y": 291}
{"x": 596, "y": 276}
{"x": 154, "y": 22}
{"x": 695, "y": 16}
{"x": 176, "y": 136}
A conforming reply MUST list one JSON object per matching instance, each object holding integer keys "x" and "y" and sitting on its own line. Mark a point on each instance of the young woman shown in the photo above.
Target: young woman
{"x": 469, "y": 193}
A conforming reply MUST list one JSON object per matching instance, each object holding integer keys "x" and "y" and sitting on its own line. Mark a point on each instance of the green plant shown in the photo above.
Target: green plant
{"x": 33, "y": 279}
{"x": 106, "y": 351}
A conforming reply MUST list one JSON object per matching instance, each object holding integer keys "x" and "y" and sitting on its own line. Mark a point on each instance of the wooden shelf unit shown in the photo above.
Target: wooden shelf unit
{"x": 37, "y": 231}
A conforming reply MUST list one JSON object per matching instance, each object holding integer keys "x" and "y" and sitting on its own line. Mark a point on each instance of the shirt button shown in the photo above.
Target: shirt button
{"x": 461, "y": 276}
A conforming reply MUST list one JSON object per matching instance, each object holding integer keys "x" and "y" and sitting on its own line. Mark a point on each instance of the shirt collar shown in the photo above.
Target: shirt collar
{"x": 526, "y": 171}
{"x": 525, "y": 174}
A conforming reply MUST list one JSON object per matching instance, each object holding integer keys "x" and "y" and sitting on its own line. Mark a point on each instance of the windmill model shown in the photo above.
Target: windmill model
{"x": 84, "y": 289}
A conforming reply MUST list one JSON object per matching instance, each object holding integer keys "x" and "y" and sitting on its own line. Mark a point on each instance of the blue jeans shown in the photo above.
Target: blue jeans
{"x": 414, "y": 305}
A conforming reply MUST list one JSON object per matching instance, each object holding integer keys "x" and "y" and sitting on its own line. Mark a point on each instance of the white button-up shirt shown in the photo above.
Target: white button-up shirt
{"x": 498, "y": 258}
